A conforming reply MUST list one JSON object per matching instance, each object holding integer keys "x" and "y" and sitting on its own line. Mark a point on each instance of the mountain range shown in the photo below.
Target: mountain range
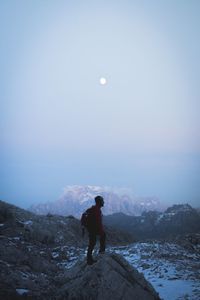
{"x": 176, "y": 220}
{"x": 76, "y": 199}
{"x": 141, "y": 217}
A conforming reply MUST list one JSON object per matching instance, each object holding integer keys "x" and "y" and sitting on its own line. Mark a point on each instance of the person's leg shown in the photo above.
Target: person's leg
{"x": 102, "y": 243}
{"x": 92, "y": 243}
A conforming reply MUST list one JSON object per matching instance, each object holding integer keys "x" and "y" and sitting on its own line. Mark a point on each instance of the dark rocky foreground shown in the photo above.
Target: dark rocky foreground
{"x": 35, "y": 250}
{"x": 43, "y": 257}
{"x": 110, "y": 278}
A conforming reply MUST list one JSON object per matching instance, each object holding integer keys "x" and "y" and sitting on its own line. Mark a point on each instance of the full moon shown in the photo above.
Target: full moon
{"x": 103, "y": 81}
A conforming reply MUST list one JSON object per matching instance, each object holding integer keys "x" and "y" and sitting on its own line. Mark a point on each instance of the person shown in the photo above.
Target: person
{"x": 96, "y": 230}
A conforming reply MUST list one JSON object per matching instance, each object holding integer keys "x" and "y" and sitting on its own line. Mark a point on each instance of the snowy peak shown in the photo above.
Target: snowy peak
{"x": 81, "y": 194}
{"x": 75, "y": 199}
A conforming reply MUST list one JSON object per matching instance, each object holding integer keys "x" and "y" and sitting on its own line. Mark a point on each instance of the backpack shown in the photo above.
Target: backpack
{"x": 88, "y": 218}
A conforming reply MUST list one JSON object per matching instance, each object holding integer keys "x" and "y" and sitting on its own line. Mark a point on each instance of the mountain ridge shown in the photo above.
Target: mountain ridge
{"x": 175, "y": 220}
{"x": 76, "y": 199}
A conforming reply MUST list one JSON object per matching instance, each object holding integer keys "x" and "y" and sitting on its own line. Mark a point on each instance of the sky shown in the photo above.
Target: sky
{"x": 60, "y": 126}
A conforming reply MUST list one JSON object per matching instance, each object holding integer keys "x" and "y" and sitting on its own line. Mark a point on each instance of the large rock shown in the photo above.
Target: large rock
{"x": 110, "y": 278}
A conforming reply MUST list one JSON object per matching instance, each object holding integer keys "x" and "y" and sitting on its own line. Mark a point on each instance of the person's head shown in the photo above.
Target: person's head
{"x": 99, "y": 201}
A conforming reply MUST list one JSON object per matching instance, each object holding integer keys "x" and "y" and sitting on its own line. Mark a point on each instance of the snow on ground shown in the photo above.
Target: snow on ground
{"x": 173, "y": 271}
{"x": 22, "y": 291}
{"x": 29, "y": 222}
{"x": 176, "y": 289}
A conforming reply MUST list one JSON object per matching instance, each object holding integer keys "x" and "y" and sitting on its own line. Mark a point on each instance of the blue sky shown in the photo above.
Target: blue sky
{"x": 60, "y": 127}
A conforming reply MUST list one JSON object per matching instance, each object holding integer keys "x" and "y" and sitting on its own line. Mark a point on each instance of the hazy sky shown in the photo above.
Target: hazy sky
{"x": 60, "y": 126}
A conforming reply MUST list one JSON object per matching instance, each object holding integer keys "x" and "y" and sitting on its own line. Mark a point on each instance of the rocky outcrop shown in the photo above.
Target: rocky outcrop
{"x": 36, "y": 250}
{"x": 111, "y": 277}
{"x": 33, "y": 269}
{"x": 190, "y": 242}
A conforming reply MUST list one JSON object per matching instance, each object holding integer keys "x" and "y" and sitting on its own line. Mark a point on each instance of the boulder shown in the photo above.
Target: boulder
{"x": 111, "y": 277}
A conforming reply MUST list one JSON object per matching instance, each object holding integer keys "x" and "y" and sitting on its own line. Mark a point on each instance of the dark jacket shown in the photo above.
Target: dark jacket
{"x": 98, "y": 226}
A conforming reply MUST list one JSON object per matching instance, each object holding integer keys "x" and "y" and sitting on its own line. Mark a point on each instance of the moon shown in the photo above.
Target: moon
{"x": 102, "y": 81}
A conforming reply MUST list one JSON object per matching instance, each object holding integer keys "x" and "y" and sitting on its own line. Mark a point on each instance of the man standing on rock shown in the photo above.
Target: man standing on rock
{"x": 95, "y": 228}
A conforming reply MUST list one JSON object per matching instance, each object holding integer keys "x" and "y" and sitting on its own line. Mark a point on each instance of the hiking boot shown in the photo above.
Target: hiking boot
{"x": 91, "y": 261}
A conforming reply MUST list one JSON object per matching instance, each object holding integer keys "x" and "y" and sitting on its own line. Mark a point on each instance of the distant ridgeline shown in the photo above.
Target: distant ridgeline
{"x": 76, "y": 199}
{"x": 142, "y": 217}
{"x": 176, "y": 220}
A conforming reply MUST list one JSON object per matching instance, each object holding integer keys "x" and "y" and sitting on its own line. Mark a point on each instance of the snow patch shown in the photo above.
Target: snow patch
{"x": 22, "y": 291}
{"x": 174, "y": 289}
{"x": 55, "y": 255}
{"x": 29, "y": 222}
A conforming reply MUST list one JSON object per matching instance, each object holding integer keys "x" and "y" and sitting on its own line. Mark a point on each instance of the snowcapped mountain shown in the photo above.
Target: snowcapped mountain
{"x": 76, "y": 199}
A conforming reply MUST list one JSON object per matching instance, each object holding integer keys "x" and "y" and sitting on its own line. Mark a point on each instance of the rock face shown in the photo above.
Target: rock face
{"x": 110, "y": 278}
